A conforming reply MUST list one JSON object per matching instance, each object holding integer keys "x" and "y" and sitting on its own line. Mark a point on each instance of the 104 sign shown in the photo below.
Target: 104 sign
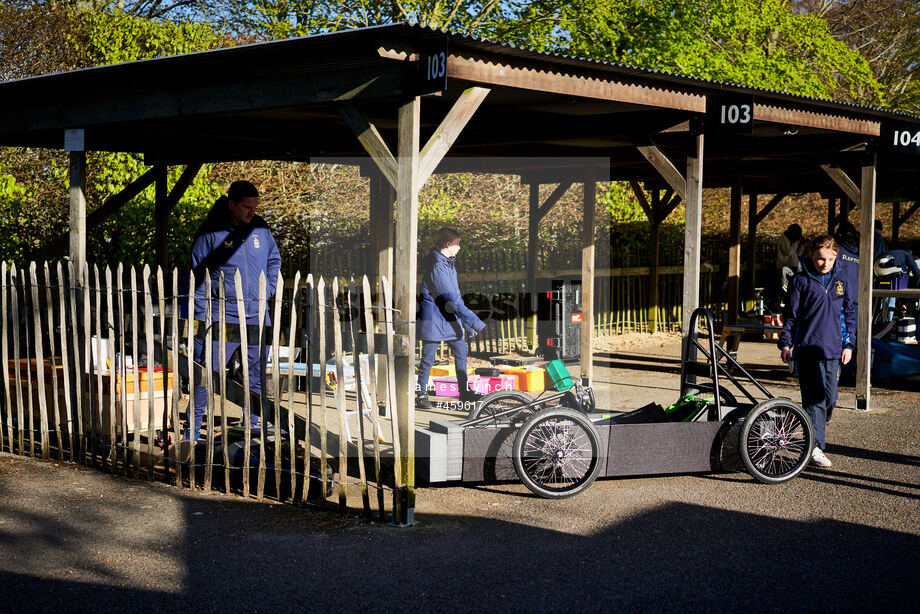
{"x": 901, "y": 138}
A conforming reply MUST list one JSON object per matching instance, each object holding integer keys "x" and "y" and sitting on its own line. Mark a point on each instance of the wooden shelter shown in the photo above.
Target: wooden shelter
{"x": 405, "y": 97}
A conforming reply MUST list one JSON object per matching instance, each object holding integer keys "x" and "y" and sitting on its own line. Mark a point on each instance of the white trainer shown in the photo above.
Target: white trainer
{"x": 818, "y": 458}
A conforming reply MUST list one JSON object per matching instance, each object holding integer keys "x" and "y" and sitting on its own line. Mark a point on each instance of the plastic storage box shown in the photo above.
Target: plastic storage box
{"x": 558, "y": 375}
{"x": 531, "y": 379}
{"x": 485, "y": 385}
{"x": 446, "y": 386}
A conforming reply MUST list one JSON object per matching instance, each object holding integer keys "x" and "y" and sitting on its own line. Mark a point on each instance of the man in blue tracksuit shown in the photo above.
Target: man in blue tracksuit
{"x": 442, "y": 314}
{"x": 812, "y": 334}
{"x": 234, "y": 238}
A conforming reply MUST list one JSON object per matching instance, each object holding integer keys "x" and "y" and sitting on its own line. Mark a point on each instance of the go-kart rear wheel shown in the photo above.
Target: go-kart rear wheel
{"x": 776, "y": 441}
{"x": 497, "y": 402}
{"x": 557, "y": 452}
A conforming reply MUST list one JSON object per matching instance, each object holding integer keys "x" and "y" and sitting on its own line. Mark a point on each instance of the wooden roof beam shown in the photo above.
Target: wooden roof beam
{"x": 810, "y": 119}
{"x": 494, "y": 72}
{"x": 664, "y": 166}
{"x": 843, "y": 181}
{"x": 370, "y": 139}
{"x": 449, "y": 129}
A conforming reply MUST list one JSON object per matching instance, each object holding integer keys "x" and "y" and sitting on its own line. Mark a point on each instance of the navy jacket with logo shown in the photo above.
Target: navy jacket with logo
{"x": 811, "y": 323}
{"x": 442, "y": 314}
{"x": 221, "y": 247}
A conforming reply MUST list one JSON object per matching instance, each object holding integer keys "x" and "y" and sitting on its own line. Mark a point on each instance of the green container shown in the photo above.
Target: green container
{"x": 687, "y": 408}
{"x": 559, "y": 375}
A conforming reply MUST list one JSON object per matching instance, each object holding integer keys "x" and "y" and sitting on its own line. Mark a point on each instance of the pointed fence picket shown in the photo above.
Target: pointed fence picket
{"x": 101, "y": 364}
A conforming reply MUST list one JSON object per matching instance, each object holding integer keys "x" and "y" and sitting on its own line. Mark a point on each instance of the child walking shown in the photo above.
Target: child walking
{"x": 813, "y": 337}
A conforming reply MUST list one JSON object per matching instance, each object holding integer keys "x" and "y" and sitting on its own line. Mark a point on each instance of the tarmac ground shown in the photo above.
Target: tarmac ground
{"x": 844, "y": 539}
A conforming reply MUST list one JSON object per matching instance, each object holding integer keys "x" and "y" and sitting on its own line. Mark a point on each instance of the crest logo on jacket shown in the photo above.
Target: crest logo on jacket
{"x": 228, "y": 243}
{"x": 255, "y": 242}
{"x": 839, "y": 288}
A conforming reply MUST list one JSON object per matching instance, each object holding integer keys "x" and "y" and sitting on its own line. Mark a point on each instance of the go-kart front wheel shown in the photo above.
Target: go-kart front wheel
{"x": 557, "y": 452}
{"x": 776, "y": 441}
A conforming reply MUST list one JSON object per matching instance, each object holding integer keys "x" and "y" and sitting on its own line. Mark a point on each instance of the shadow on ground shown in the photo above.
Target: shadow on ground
{"x": 224, "y": 555}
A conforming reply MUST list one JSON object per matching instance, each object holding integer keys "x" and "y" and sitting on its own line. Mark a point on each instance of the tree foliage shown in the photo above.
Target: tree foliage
{"x": 762, "y": 43}
{"x": 34, "y": 200}
{"x": 887, "y": 34}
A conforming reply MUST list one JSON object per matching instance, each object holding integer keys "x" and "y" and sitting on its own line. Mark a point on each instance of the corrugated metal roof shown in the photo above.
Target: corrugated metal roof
{"x": 300, "y": 53}
{"x": 626, "y": 69}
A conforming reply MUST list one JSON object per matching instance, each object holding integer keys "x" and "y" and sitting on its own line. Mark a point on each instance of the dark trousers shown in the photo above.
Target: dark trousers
{"x": 256, "y": 368}
{"x": 818, "y": 383}
{"x": 429, "y": 350}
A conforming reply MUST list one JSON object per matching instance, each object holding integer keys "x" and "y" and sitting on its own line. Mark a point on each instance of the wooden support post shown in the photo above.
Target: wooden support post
{"x": 587, "y": 277}
{"x": 734, "y": 254}
{"x": 382, "y": 198}
{"x": 78, "y": 209}
{"x": 533, "y": 227}
{"x": 406, "y": 256}
{"x": 751, "y": 245}
{"x": 692, "y": 240}
{"x": 383, "y": 195}
{"x": 864, "y": 315}
{"x": 161, "y": 218}
{"x": 653, "y": 247}
{"x": 536, "y": 214}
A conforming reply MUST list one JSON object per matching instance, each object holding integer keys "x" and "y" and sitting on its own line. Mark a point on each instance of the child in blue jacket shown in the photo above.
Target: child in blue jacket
{"x": 812, "y": 335}
{"x": 442, "y": 315}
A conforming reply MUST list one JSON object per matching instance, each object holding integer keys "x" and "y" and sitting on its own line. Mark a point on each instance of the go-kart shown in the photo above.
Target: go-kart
{"x": 558, "y": 443}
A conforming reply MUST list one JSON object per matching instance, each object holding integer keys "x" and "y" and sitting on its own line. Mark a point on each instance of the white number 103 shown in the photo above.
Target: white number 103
{"x": 735, "y": 114}
{"x": 437, "y": 65}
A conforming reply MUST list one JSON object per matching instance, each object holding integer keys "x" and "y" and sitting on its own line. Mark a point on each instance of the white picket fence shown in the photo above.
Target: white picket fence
{"x": 98, "y": 369}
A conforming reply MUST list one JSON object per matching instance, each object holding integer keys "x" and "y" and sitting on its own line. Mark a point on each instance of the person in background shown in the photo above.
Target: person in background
{"x": 442, "y": 315}
{"x": 847, "y": 238}
{"x": 789, "y": 249}
{"x": 813, "y": 338}
{"x": 879, "y": 248}
{"x": 234, "y": 238}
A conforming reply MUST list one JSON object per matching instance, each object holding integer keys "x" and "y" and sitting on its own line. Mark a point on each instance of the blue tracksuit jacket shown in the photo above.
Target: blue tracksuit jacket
{"x": 442, "y": 315}
{"x": 222, "y": 247}
{"x": 812, "y": 316}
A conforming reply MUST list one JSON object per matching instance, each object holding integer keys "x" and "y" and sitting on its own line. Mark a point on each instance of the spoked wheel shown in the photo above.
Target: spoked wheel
{"x": 776, "y": 441}
{"x": 557, "y": 452}
{"x": 497, "y": 402}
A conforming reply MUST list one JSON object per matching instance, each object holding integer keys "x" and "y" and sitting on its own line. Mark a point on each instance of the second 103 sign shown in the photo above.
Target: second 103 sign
{"x": 730, "y": 114}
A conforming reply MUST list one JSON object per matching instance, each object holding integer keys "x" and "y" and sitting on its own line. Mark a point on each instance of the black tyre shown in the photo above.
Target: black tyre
{"x": 497, "y": 402}
{"x": 557, "y": 452}
{"x": 777, "y": 438}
